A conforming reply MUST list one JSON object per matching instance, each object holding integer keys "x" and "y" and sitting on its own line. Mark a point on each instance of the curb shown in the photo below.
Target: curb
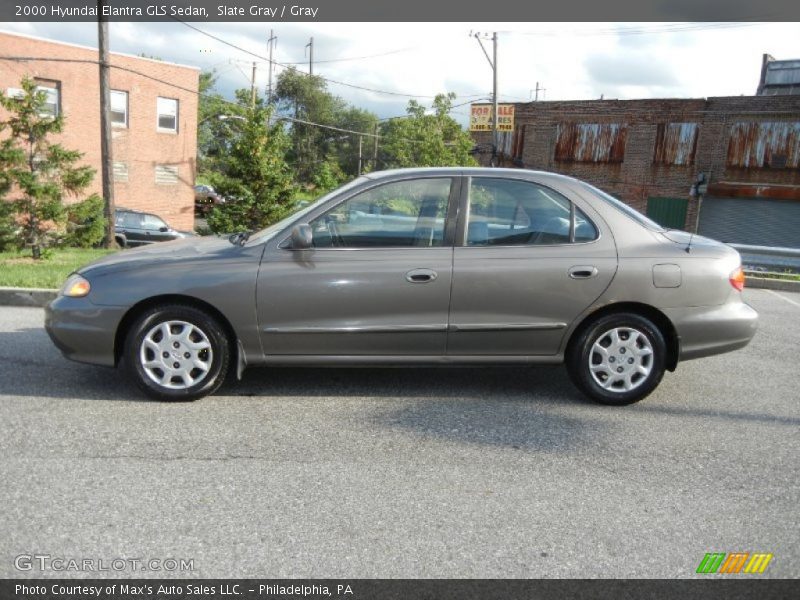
{"x": 11, "y": 296}
{"x": 764, "y": 283}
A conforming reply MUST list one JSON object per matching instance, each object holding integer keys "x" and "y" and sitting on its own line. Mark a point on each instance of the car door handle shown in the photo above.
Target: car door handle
{"x": 583, "y": 272}
{"x": 421, "y": 276}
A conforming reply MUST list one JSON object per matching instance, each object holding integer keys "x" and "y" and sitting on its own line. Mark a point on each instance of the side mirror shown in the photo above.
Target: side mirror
{"x": 163, "y": 229}
{"x": 302, "y": 236}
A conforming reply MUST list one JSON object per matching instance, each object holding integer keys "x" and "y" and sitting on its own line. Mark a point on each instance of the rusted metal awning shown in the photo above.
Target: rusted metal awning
{"x": 735, "y": 189}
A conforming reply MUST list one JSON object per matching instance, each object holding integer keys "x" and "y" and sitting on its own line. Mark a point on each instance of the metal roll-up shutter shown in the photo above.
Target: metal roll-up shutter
{"x": 754, "y": 221}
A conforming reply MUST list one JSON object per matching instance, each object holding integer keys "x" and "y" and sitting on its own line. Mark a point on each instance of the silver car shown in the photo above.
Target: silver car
{"x": 455, "y": 266}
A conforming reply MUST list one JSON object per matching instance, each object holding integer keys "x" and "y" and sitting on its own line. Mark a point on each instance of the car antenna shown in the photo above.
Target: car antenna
{"x": 696, "y": 192}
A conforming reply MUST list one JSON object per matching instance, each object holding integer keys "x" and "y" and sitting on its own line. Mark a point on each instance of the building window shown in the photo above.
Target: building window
{"x": 119, "y": 108}
{"x": 766, "y": 144}
{"x": 675, "y": 143}
{"x": 167, "y": 114}
{"x": 52, "y": 90}
{"x": 166, "y": 174}
{"x": 591, "y": 142}
{"x": 121, "y": 172}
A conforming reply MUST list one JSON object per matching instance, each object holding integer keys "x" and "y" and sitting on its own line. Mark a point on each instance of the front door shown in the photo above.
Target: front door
{"x": 529, "y": 263}
{"x": 376, "y": 281}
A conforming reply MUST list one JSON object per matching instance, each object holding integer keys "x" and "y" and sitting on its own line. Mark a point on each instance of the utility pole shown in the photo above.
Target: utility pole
{"x": 493, "y": 65}
{"x": 105, "y": 127}
{"x": 360, "y": 140}
{"x": 253, "y": 86}
{"x": 496, "y": 137}
{"x": 270, "y": 41}
{"x": 375, "y": 149}
{"x": 310, "y": 46}
{"x": 537, "y": 90}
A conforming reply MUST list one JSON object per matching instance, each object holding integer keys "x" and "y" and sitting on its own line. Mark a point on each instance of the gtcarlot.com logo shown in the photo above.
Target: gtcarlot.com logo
{"x": 734, "y": 562}
{"x": 46, "y": 562}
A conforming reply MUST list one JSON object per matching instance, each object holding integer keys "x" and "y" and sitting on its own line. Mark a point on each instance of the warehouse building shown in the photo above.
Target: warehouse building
{"x": 743, "y": 151}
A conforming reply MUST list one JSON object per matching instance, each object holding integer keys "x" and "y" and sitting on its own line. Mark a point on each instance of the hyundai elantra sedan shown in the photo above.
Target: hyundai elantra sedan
{"x": 453, "y": 266}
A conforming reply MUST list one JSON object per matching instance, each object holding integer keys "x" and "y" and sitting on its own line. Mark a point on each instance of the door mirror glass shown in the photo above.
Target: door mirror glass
{"x": 302, "y": 236}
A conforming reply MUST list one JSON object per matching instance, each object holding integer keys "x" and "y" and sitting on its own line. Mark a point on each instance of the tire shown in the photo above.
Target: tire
{"x": 121, "y": 241}
{"x": 193, "y": 368}
{"x": 629, "y": 371}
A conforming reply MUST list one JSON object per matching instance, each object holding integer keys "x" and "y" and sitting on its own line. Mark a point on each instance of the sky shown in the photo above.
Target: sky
{"x": 571, "y": 61}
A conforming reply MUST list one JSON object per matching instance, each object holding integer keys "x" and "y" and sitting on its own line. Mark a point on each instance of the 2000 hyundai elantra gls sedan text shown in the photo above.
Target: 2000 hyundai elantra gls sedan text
{"x": 417, "y": 267}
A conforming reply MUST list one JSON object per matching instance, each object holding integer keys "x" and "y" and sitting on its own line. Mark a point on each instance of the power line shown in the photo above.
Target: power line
{"x": 638, "y": 30}
{"x": 289, "y": 66}
{"x": 334, "y": 60}
{"x": 195, "y": 92}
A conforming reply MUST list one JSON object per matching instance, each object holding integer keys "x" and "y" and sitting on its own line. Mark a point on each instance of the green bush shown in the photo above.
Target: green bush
{"x": 86, "y": 224}
{"x": 9, "y": 228}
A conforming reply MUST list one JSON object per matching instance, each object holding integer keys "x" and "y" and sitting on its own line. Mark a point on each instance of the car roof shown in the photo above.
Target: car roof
{"x": 470, "y": 172}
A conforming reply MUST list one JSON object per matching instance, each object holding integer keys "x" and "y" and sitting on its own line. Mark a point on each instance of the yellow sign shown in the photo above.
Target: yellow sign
{"x": 480, "y": 117}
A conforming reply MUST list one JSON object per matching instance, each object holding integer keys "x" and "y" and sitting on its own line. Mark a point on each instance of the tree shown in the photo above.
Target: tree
{"x": 252, "y": 172}
{"x": 306, "y": 97}
{"x": 38, "y": 174}
{"x": 213, "y": 133}
{"x": 426, "y": 140}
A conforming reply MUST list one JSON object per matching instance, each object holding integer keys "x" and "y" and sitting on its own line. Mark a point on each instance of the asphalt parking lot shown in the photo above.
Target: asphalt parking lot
{"x": 404, "y": 473}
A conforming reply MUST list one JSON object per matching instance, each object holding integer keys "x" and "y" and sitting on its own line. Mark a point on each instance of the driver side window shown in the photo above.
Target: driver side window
{"x": 395, "y": 215}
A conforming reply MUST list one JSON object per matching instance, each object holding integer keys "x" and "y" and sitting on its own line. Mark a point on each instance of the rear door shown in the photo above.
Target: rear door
{"x": 527, "y": 262}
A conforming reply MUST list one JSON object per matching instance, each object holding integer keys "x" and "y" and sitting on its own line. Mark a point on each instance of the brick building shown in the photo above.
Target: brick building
{"x": 154, "y": 122}
{"x": 649, "y": 153}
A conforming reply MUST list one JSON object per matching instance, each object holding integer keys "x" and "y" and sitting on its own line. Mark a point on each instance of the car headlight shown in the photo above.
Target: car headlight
{"x": 76, "y": 287}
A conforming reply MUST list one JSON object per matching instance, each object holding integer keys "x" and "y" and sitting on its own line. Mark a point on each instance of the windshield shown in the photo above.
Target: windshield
{"x": 272, "y": 230}
{"x": 621, "y": 206}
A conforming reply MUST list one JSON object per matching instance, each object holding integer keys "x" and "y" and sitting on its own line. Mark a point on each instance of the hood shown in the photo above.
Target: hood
{"x": 181, "y": 249}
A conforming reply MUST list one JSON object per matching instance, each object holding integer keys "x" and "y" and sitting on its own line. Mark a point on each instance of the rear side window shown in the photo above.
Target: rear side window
{"x": 129, "y": 220}
{"x": 507, "y": 212}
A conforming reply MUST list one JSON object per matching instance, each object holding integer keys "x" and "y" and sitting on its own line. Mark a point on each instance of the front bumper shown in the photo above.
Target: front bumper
{"x": 83, "y": 331}
{"x": 709, "y": 330}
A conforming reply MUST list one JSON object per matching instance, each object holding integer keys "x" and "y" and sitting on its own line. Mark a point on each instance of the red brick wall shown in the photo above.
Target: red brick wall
{"x": 638, "y": 177}
{"x": 139, "y": 145}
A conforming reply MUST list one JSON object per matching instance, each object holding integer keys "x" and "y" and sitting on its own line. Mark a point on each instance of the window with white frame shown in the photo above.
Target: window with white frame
{"x": 167, "y": 109}
{"x": 119, "y": 108}
{"x": 52, "y": 91}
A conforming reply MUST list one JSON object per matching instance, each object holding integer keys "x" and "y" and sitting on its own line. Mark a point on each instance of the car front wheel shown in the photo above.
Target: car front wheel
{"x": 177, "y": 353}
{"x": 619, "y": 359}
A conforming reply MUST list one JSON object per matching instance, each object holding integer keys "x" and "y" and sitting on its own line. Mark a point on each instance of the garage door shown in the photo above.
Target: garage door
{"x": 756, "y": 221}
{"x": 669, "y": 212}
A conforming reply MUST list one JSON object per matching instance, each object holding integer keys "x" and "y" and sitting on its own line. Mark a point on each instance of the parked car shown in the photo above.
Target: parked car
{"x": 205, "y": 198}
{"x": 135, "y": 228}
{"x": 417, "y": 267}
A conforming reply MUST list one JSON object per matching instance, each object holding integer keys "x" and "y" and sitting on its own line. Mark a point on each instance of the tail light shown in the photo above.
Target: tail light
{"x": 737, "y": 278}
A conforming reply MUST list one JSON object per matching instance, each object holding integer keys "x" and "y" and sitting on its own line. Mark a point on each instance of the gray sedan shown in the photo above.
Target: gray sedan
{"x": 417, "y": 267}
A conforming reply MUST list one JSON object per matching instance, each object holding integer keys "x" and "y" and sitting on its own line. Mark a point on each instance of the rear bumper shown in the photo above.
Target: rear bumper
{"x": 708, "y": 330}
{"x": 83, "y": 331}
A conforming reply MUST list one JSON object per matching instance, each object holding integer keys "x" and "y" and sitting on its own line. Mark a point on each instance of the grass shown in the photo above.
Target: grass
{"x": 786, "y": 275}
{"x": 18, "y": 269}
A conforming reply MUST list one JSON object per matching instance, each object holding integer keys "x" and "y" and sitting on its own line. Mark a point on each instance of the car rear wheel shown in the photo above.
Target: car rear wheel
{"x": 177, "y": 353}
{"x": 619, "y": 359}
